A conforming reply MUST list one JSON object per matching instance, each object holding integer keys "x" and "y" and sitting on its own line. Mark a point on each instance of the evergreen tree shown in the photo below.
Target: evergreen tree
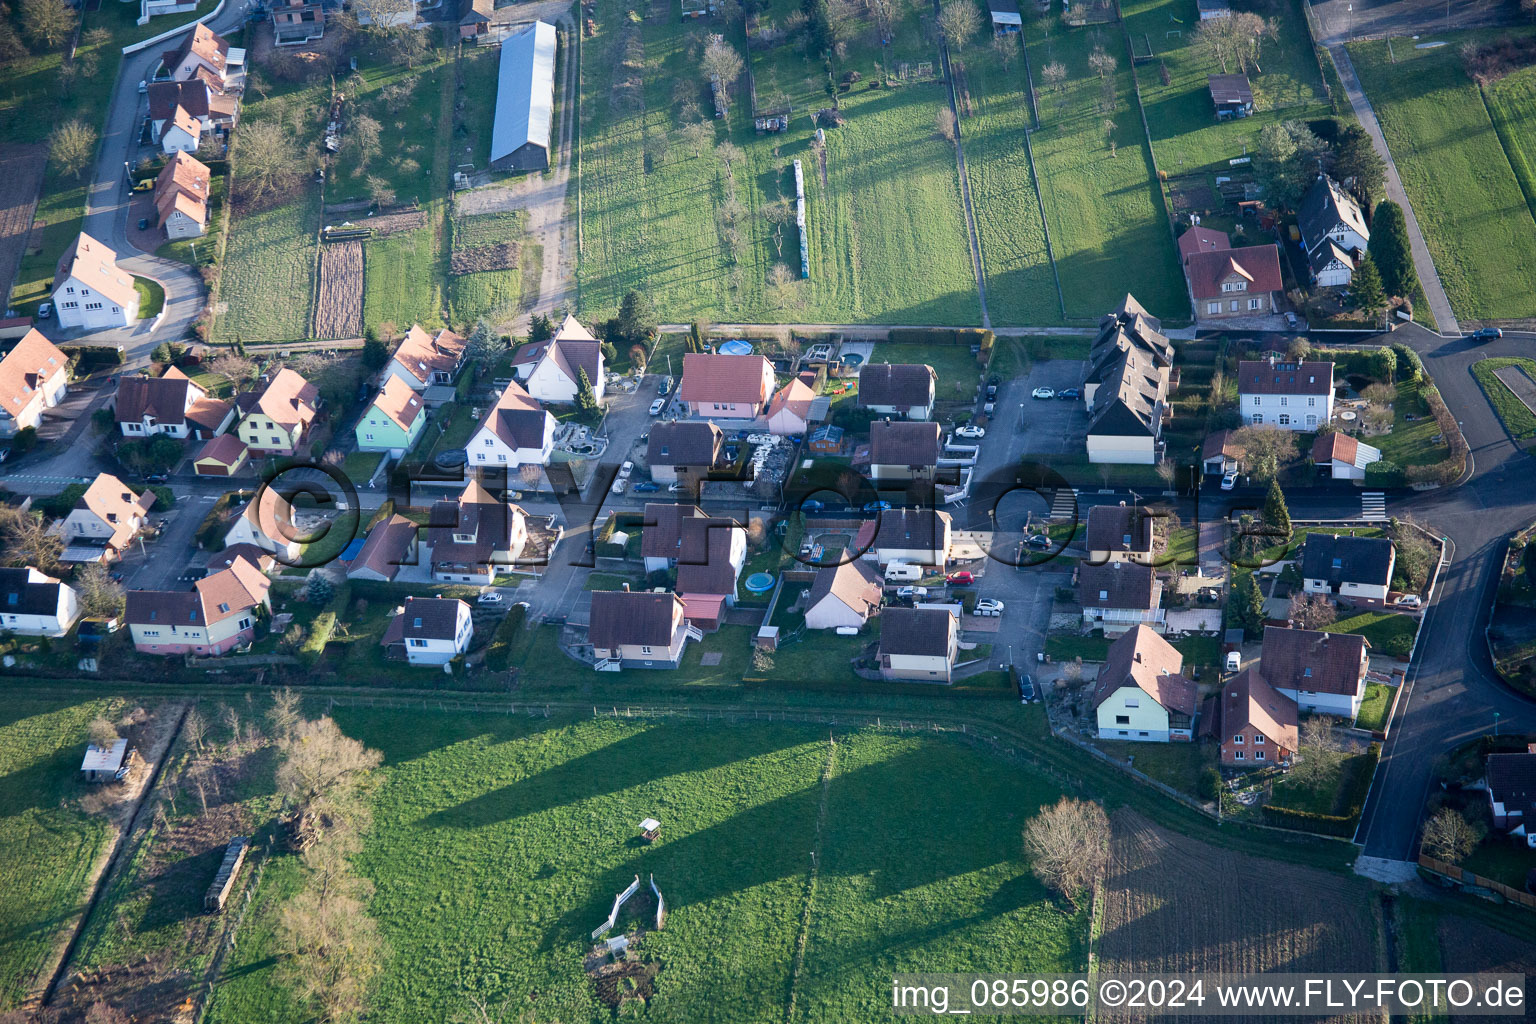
{"x": 695, "y": 337}
{"x": 586, "y": 399}
{"x": 540, "y": 328}
{"x": 637, "y": 320}
{"x": 1357, "y": 164}
{"x": 375, "y": 354}
{"x": 1245, "y": 608}
{"x": 1276, "y": 515}
{"x": 1366, "y": 285}
{"x": 1390, "y": 250}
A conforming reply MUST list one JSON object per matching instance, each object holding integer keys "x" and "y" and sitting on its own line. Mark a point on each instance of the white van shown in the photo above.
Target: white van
{"x": 1234, "y": 660}
{"x": 903, "y": 572}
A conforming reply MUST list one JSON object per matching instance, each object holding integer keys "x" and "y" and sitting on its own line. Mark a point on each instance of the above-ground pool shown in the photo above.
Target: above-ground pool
{"x": 759, "y": 583}
{"x": 853, "y": 359}
{"x": 735, "y": 348}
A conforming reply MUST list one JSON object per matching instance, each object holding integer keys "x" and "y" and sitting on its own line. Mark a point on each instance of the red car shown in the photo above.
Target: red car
{"x": 960, "y": 579}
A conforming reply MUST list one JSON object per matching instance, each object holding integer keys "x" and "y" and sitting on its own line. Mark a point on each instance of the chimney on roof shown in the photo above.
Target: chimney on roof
{"x": 625, "y": 588}
{"x": 1271, "y": 359}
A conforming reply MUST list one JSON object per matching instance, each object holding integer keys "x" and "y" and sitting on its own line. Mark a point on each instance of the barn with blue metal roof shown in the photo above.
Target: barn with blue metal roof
{"x": 525, "y": 100}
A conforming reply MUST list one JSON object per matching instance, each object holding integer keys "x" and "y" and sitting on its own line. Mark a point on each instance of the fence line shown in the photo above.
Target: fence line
{"x": 227, "y": 941}
{"x": 1467, "y": 880}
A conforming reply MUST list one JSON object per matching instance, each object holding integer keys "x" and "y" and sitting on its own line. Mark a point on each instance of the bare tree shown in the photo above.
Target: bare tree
{"x": 960, "y": 20}
{"x": 283, "y": 716}
{"x": 1377, "y": 417}
{"x": 1006, "y": 47}
{"x": 195, "y": 728}
{"x": 1109, "y": 135}
{"x": 363, "y": 134}
{"x": 1215, "y": 39}
{"x": 47, "y": 22}
{"x": 1054, "y": 74}
{"x": 27, "y": 540}
{"x": 333, "y": 947}
{"x": 1311, "y": 611}
{"x": 380, "y": 191}
{"x": 263, "y": 158}
{"x": 945, "y": 122}
{"x": 231, "y": 718}
{"x": 887, "y": 12}
{"x": 696, "y": 135}
{"x": 100, "y": 595}
{"x": 1103, "y": 64}
{"x": 721, "y": 62}
{"x": 1320, "y": 747}
{"x": 1267, "y": 449}
{"x": 102, "y": 732}
{"x": 71, "y": 147}
{"x": 379, "y": 16}
{"x": 237, "y": 369}
{"x": 1068, "y": 846}
{"x": 842, "y": 20}
{"x": 1380, "y": 393}
{"x": 778, "y": 214}
{"x": 1450, "y": 837}
{"x": 323, "y": 773}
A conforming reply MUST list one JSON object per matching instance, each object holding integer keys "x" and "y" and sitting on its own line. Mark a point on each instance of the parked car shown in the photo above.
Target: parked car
{"x": 960, "y": 579}
{"x": 674, "y": 488}
{"x": 811, "y": 505}
{"x": 157, "y": 478}
{"x": 1069, "y": 394}
{"x": 646, "y": 487}
{"x": 991, "y": 392}
{"x": 1409, "y": 601}
{"x": 489, "y": 597}
{"x": 1026, "y": 689}
{"x": 1043, "y": 393}
{"x": 911, "y": 592}
{"x": 1234, "y": 660}
{"x": 1486, "y": 334}
{"x": 1291, "y": 320}
{"x": 994, "y": 380}
{"x": 666, "y": 387}
{"x": 626, "y": 469}
{"x": 989, "y": 606}
{"x": 5, "y": 453}
{"x": 972, "y": 431}
{"x": 877, "y": 506}
{"x": 1228, "y": 481}
{"x": 657, "y": 406}
{"x": 619, "y": 485}
{"x": 1038, "y": 541}
{"x": 45, "y": 311}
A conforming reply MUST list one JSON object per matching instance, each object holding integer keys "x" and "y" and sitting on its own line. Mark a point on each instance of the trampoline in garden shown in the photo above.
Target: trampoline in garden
{"x": 736, "y": 348}
{"x": 759, "y": 583}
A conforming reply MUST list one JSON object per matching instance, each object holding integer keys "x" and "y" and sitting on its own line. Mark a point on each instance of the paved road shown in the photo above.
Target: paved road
{"x": 1376, "y": 19}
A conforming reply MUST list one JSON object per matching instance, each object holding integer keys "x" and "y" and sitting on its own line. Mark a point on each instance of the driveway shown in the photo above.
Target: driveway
{"x": 163, "y": 560}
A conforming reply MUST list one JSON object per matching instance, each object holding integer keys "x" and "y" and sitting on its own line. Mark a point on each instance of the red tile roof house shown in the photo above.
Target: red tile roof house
{"x": 90, "y": 290}
{"x": 221, "y": 456}
{"x": 1252, "y": 722}
{"x": 201, "y": 48}
{"x": 1343, "y": 457}
{"x": 429, "y": 631}
{"x": 1219, "y": 454}
{"x": 733, "y": 388}
{"x": 199, "y": 105}
{"x": 1229, "y": 282}
{"x": 846, "y": 595}
{"x": 1118, "y": 596}
{"x": 516, "y": 433}
{"x": 1511, "y": 782}
{"x": 34, "y": 376}
{"x": 390, "y": 545}
{"x": 1321, "y": 672}
{"x": 789, "y": 412}
{"x": 217, "y": 615}
{"x": 638, "y": 630}
{"x": 709, "y": 562}
{"x": 475, "y": 537}
{"x": 556, "y": 376}
{"x": 1141, "y": 693}
{"x": 277, "y": 418}
{"x": 266, "y": 522}
{"x": 424, "y": 361}
{"x": 898, "y": 389}
{"x": 1292, "y": 396}
{"x": 103, "y": 522}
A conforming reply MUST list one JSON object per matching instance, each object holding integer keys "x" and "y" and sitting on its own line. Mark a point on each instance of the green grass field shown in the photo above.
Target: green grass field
{"x": 403, "y": 279}
{"x": 1512, "y": 106}
{"x": 47, "y": 846}
{"x": 1185, "y": 133}
{"x": 1465, "y": 194}
{"x": 496, "y": 293}
{"x": 268, "y": 274}
{"x": 1374, "y": 708}
{"x": 498, "y": 844}
{"x": 1518, "y": 420}
{"x": 151, "y": 297}
{"x": 406, "y": 103}
{"x": 1109, "y": 231}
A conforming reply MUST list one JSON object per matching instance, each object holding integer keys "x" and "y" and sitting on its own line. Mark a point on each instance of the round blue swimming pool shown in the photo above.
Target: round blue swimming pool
{"x": 736, "y": 347}
{"x": 759, "y": 583}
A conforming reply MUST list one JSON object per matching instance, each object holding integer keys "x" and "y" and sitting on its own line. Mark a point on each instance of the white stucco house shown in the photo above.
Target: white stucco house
{"x": 918, "y": 535}
{"x": 919, "y": 644}
{"x": 1321, "y": 672}
{"x": 516, "y": 433}
{"x": 33, "y": 603}
{"x": 1141, "y": 693}
{"x": 845, "y": 595}
{"x": 34, "y": 376}
{"x": 1343, "y": 457}
{"x": 90, "y": 291}
{"x": 429, "y": 631}
{"x": 1354, "y": 570}
{"x": 556, "y": 377}
{"x": 1289, "y": 395}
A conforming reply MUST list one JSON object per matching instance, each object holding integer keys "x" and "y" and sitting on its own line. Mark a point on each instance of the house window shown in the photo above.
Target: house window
{"x": 367, "y": 437}
{"x": 1258, "y": 417}
{"x": 1258, "y": 755}
{"x": 1254, "y": 303}
{"x": 1258, "y": 400}
{"x": 151, "y": 632}
{"x": 645, "y": 649}
{"x": 418, "y": 643}
{"x": 1307, "y": 672}
{"x": 1283, "y": 402}
{"x": 1232, "y": 306}
{"x": 489, "y": 442}
{"x": 70, "y": 289}
{"x": 1133, "y": 702}
{"x": 1258, "y": 740}
{"x": 1143, "y": 733}
{"x": 245, "y": 623}
{"x": 276, "y": 441}
{"x": 1238, "y": 739}
{"x": 1311, "y": 403}
{"x": 1213, "y": 307}
{"x": 501, "y": 458}
{"x": 93, "y": 305}
{"x": 1237, "y": 756}
{"x": 1122, "y": 720}
{"x": 1285, "y": 419}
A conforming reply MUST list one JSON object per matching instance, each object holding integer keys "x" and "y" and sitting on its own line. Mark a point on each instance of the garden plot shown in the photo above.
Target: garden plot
{"x": 339, "y": 311}
{"x": 21, "y": 172}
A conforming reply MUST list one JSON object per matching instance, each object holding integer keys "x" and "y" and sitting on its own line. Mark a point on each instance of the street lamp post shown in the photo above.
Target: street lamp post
{"x": 1495, "y": 723}
{"x": 1351, "y": 33}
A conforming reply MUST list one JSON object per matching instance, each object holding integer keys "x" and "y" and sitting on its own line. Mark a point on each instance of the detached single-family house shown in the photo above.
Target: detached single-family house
{"x": 1006, "y": 19}
{"x": 170, "y": 404}
{"x": 1126, "y": 389}
{"x": 1511, "y": 782}
{"x": 277, "y": 417}
{"x": 661, "y": 535}
{"x": 903, "y": 450}
{"x": 390, "y": 545}
{"x": 221, "y": 456}
{"x": 846, "y": 595}
{"x": 34, "y": 376}
{"x": 1142, "y": 693}
{"x": 898, "y": 389}
{"x": 790, "y": 410}
{"x": 33, "y": 603}
{"x": 1290, "y": 395}
{"x": 572, "y": 352}
{"x": 1122, "y": 532}
{"x": 393, "y": 420}
{"x": 183, "y": 132}
{"x": 1118, "y": 596}
{"x": 1343, "y": 457}
{"x": 525, "y": 98}
{"x": 429, "y": 631}
{"x": 215, "y": 616}
{"x": 103, "y": 522}
{"x": 1225, "y": 283}
{"x": 181, "y": 197}
{"x": 202, "y": 48}
{"x": 1253, "y": 723}
{"x": 475, "y": 17}
{"x": 918, "y": 644}
{"x": 1202, "y": 239}
{"x": 1333, "y": 232}
{"x": 225, "y": 559}
{"x": 429, "y": 363}
{"x": 1322, "y": 672}
{"x": 266, "y": 522}
{"x": 731, "y": 388}
{"x": 638, "y": 629}
{"x": 1231, "y": 95}
{"x": 917, "y": 535}
{"x": 1219, "y": 454}
{"x": 175, "y": 106}
{"x": 713, "y": 552}
{"x": 1354, "y": 570}
{"x": 296, "y": 22}
{"x": 475, "y": 536}
{"x": 90, "y": 291}
{"x": 516, "y": 433}
{"x": 684, "y": 451}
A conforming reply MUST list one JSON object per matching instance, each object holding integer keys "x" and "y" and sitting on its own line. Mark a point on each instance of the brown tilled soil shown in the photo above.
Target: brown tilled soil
{"x": 390, "y": 223}
{"x": 1176, "y": 905}
{"x": 339, "y": 313}
{"x": 474, "y": 259}
{"x": 21, "y": 172}
{"x": 1468, "y": 946}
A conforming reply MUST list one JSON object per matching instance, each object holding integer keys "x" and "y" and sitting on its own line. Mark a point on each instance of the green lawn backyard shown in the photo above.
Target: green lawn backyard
{"x": 1477, "y": 222}
{"x": 1387, "y": 632}
{"x": 1375, "y": 706}
{"x": 1518, "y": 420}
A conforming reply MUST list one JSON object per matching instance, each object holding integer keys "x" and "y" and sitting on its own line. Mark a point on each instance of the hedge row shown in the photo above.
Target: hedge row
{"x": 88, "y": 357}
{"x": 498, "y": 655}
{"x": 1410, "y": 361}
{"x": 319, "y": 635}
{"x": 1342, "y": 825}
{"x": 966, "y": 336}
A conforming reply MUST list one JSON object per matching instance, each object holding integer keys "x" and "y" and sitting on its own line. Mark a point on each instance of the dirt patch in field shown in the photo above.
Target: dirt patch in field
{"x": 21, "y": 172}
{"x": 500, "y": 199}
{"x": 339, "y": 313}
{"x": 1176, "y": 905}
{"x": 392, "y": 223}
{"x": 474, "y": 259}
{"x": 1471, "y": 946}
